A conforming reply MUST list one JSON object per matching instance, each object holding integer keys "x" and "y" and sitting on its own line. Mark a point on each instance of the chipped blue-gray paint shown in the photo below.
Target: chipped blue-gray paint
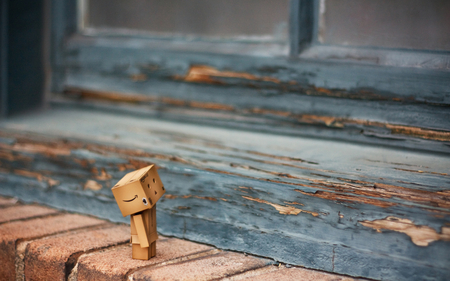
{"x": 201, "y": 166}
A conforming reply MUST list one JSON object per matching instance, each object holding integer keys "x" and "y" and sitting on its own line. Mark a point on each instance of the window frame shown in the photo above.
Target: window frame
{"x": 404, "y": 88}
{"x": 302, "y": 43}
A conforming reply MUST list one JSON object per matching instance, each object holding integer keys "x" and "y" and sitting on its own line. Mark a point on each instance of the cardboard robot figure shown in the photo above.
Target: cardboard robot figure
{"x": 136, "y": 194}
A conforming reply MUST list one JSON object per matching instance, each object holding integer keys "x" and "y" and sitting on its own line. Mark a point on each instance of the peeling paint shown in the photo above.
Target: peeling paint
{"x": 294, "y": 203}
{"x": 420, "y": 235}
{"x": 138, "y": 77}
{"x": 10, "y": 156}
{"x": 380, "y": 190}
{"x": 92, "y": 185}
{"x": 258, "y": 153}
{"x": 51, "y": 182}
{"x": 329, "y": 121}
{"x": 315, "y": 119}
{"x": 284, "y": 210}
{"x": 419, "y": 132}
{"x": 208, "y": 74}
{"x": 107, "y": 95}
{"x": 341, "y": 122}
{"x": 421, "y": 172}
{"x": 347, "y": 198}
{"x": 136, "y": 98}
{"x": 103, "y": 175}
{"x": 345, "y": 189}
{"x": 84, "y": 162}
{"x": 424, "y": 133}
{"x": 54, "y": 150}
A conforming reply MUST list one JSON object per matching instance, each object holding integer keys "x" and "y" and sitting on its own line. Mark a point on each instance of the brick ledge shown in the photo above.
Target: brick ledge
{"x": 41, "y": 243}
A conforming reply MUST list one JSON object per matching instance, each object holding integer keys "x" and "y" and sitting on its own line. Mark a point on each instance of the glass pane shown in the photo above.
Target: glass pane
{"x": 414, "y": 24}
{"x": 206, "y": 18}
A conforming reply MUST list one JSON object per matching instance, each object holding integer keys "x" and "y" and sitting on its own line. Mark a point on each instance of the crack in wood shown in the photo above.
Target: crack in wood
{"x": 171, "y": 196}
{"x": 347, "y": 198}
{"x": 136, "y": 99}
{"x": 284, "y": 210}
{"x": 421, "y": 172}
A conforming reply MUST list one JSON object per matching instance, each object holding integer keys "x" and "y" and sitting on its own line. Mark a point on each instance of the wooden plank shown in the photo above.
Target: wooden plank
{"x": 119, "y": 57}
{"x": 353, "y": 102}
{"x": 367, "y": 123}
{"x": 335, "y": 206}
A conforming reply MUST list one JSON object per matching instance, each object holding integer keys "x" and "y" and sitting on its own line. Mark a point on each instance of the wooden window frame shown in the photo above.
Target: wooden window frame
{"x": 368, "y": 95}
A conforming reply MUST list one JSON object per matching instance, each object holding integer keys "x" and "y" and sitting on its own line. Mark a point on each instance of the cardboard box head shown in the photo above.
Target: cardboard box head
{"x": 138, "y": 190}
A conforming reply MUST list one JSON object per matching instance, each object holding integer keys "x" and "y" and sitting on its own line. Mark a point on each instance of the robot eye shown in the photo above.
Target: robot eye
{"x": 148, "y": 185}
{"x": 153, "y": 180}
{"x": 144, "y": 201}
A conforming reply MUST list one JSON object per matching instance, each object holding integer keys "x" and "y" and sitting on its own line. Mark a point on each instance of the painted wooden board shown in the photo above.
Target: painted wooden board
{"x": 406, "y": 107}
{"x": 142, "y": 60}
{"x": 343, "y": 207}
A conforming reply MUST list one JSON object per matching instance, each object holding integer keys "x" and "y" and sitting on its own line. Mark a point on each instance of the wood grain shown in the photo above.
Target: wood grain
{"x": 311, "y": 202}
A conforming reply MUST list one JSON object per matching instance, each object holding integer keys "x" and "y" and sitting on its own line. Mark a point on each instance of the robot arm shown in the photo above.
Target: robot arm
{"x": 140, "y": 228}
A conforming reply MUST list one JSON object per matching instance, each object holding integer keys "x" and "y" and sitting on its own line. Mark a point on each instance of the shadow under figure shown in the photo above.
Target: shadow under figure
{"x": 136, "y": 194}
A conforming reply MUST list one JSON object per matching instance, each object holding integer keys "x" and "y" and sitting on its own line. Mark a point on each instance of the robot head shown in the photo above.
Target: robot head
{"x": 138, "y": 190}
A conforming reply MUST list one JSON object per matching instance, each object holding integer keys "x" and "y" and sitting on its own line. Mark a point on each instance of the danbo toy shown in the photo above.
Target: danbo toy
{"x": 136, "y": 194}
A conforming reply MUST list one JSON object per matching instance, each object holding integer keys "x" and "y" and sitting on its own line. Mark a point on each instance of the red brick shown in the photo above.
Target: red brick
{"x": 296, "y": 273}
{"x": 24, "y": 212}
{"x": 7, "y": 201}
{"x": 53, "y": 258}
{"x": 206, "y": 268}
{"x": 11, "y": 233}
{"x": 115, "y": 264}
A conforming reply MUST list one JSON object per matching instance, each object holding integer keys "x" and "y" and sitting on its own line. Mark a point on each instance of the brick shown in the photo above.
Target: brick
{"x": 206, "y": 268}
{"x": 24, "y": 212}
{"x": 115, "y": 264}
{"x": 53, "y": 258}
{"x": 7, "y": 201}
{"x": 11, "y": 233}
{"x": 296, "y": 273}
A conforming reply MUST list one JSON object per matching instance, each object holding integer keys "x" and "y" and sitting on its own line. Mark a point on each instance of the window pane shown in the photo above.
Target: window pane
{"x": 205, "y": 18}
{"x": 415, "y": 24}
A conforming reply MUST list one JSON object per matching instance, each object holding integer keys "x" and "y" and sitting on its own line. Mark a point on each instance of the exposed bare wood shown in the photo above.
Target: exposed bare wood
{"x": 208, "y": 74}
{"x": 420, "y": 235}
{"x": 284, "y": 210}
{"x": 92, "y": 185}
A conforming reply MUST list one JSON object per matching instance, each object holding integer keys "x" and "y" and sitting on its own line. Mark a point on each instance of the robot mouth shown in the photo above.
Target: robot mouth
{"x": 135, "y": 196}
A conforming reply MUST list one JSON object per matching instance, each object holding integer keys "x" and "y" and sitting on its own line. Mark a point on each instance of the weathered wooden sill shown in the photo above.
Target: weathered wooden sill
{"x": 342, "y": 207}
